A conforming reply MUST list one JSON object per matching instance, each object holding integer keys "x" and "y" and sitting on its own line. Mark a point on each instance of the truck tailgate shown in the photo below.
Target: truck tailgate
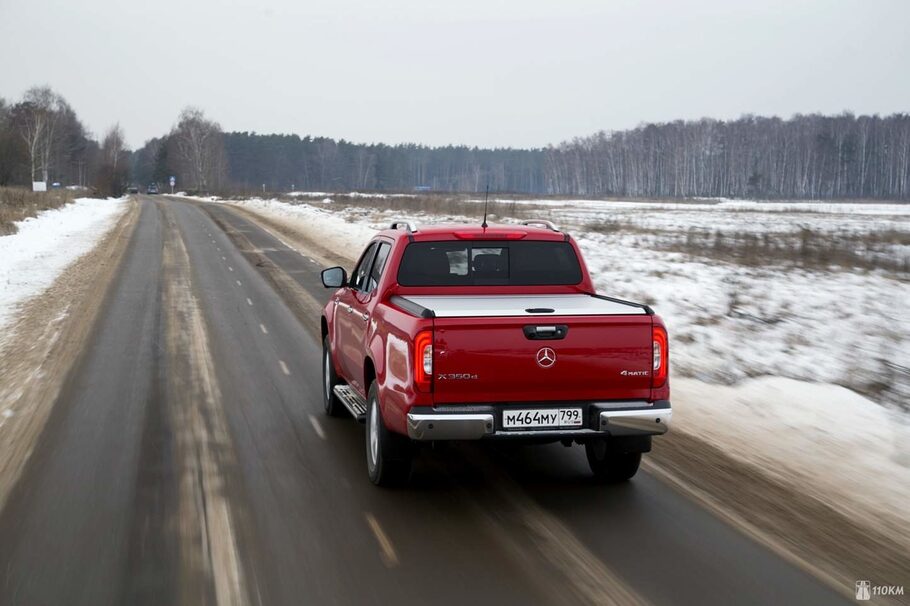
{"x": 508, "y": 359}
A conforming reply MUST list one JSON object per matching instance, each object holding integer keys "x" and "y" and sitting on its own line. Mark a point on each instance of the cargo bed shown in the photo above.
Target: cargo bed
{"x": 503, "y": 306}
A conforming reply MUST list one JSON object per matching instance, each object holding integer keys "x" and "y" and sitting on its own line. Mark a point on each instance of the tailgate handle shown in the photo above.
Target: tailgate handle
{"x": 546, "y": 332}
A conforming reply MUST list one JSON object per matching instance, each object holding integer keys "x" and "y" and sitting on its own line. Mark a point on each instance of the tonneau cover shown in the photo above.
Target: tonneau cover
{"x": 471, "y": 306}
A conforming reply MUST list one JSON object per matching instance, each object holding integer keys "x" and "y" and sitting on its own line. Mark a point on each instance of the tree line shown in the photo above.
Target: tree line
{"x": 807, "y": 156}
{"x": 252, "y": 162}
{"x": 42, "y": 139}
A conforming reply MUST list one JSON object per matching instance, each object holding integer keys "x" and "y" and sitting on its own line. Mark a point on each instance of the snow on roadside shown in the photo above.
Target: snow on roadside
{"x": 32, "y": 258}
{"x": 327, "y": 227}
{"x": 353, "y": 194}
{"x": 836, "y": 445}
{"x": 729, "y": 322}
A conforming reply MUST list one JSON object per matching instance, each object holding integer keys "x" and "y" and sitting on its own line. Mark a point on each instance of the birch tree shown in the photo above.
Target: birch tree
{"x": 200, "y": 148}
{"x": 38, "y": 114}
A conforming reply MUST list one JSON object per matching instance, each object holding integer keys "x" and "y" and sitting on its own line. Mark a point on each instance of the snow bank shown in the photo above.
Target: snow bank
{"x": 32, "y": 258}
{"x": 729, "y": 322}
{"x": 331, "y": 229}
{"x": 838, "y": 446}
{"x": 353, "y": 194}
{"x": 720, "y": 204}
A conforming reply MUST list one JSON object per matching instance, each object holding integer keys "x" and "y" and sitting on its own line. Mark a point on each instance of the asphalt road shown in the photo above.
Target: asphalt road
{"x": 187, "y": 461}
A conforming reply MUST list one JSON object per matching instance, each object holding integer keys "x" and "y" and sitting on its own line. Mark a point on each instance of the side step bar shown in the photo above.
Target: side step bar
{"x": 356, "y": 405}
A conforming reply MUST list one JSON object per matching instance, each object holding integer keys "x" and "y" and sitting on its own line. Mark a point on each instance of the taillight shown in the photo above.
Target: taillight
{"x": 660, "y": 356}
{"x": 423, "y": 360}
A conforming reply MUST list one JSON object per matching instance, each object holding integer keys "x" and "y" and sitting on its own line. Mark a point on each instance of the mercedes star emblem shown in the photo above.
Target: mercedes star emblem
{"x": 546, "y": 357}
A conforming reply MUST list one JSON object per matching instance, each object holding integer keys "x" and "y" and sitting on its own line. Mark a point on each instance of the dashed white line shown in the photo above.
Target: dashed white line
{"x": 284, "y": 367}
{"x": 386, "y": 550}
{"x": 223, "y": 259}
{"x": 317, "y": 427}
{"x": 249, "y": 301}
{"x": 264, "y": 330}
{"x": 230, "y": 268}
{"x": 238, "y": 283}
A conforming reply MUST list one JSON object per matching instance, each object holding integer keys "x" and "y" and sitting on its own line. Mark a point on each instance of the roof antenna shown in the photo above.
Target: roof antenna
{"x": 486, "y": 198}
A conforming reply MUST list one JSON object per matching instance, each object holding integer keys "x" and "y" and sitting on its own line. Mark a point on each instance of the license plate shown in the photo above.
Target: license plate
{"x": 538, "y": 418}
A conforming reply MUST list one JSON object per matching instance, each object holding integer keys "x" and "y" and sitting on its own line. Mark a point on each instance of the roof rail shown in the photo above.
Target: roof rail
{"x": 408, "y": 225}
{"x": 548, "y": 224}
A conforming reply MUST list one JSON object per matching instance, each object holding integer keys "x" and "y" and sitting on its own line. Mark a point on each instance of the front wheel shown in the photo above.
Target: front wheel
{"x": 330, "y": 402}
{"x": 611, "y": 466}
{"x": 389, "y": 455}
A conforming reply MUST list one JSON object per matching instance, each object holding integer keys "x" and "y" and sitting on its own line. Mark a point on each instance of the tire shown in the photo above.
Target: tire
{"x": 611, "y": 466}
{"x": 389, "y": 455}
{"x": 333, "y": 407}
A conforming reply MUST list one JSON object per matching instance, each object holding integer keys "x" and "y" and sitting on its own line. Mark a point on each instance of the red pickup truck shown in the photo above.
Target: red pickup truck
{"x": 459, "y": 332}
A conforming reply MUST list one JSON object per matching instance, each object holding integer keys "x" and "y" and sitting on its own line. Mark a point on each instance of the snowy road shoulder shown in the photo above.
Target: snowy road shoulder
{"x": 31, "y": 259}
{"x": 826, "y": 440}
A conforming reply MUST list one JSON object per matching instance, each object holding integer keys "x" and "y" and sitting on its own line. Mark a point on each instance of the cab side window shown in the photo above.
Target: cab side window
{"x": 382, "y": 255}
{"x": 362, "y": 271}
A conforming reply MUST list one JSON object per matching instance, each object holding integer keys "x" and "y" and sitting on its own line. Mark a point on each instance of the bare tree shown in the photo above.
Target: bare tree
{"x": 38, "y": 115}
{"x": 200, "y": 148}
{"x": 112, "y": 146}
{"x": 113, "y": 167}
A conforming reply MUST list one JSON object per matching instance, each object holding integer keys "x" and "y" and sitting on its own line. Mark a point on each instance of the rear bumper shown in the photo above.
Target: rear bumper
{"x": 475, "y": 422}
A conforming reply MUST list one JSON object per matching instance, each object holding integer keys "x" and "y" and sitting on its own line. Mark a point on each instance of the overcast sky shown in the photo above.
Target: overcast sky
{"x": 478, "y": 72}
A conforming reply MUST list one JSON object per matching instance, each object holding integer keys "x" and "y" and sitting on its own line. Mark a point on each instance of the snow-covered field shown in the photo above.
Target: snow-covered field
{"x": 803, "y": 370}
{"x": 32, "y": 258}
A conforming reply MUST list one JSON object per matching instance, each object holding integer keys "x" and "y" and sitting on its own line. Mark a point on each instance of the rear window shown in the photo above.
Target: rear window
{"x": 489, "y": 263}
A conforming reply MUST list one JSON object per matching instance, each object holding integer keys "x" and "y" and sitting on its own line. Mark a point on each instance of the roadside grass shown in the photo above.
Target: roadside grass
{"x": 806, "y": 248}
{"x": 18, "y": 203}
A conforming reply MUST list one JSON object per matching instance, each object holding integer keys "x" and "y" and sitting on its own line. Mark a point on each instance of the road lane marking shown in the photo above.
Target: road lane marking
{"x": 238, "y": 283}
{"x": 264, "y": 330}
{"x": 317, "y": 427}
{"x": 249, "y": 301}
{"x": 284, "y": 367}
{"x": 386, "y": 550}
{"x": 223, "y": 259}
{"x": 230, "y": 268}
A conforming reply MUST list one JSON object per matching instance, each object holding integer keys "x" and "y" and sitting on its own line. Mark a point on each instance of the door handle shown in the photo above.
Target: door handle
{"x": 365, "y": 317}
{"x": 550, "y": 332}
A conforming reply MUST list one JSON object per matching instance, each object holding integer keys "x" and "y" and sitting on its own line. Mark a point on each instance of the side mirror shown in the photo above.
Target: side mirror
{"x": 334, "y": 277}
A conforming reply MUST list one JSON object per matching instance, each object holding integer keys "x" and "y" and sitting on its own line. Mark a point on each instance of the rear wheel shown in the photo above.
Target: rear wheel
{"x": 330, "y": 402}
{"x": 610, "y": 465}
{"x": 389, "y": 454}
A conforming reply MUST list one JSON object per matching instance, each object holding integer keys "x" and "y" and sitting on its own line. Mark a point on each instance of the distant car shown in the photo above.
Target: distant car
{"x": 151, "y": 189}
{"x": 133, "y": 189}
